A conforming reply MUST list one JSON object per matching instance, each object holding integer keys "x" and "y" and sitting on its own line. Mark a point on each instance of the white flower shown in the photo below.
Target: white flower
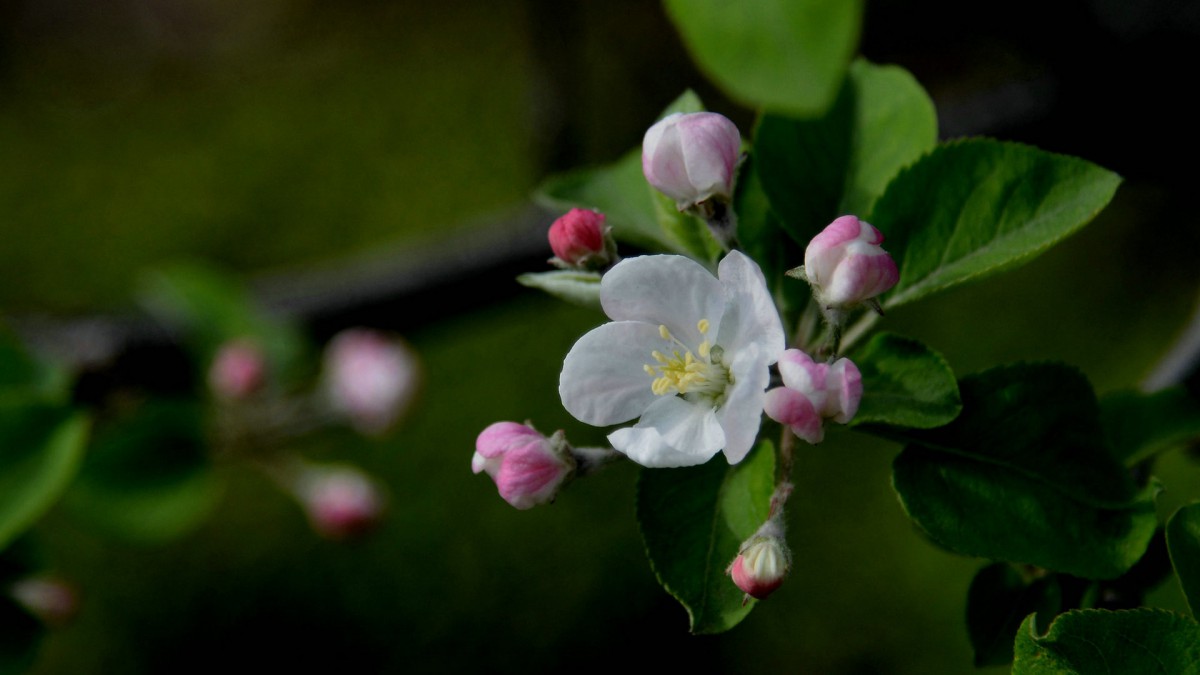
{"x": 687, "y": 352}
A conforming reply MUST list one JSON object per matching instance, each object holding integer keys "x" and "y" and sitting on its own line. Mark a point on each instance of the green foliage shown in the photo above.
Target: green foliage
{"x": 20, "y": 635}
{"x": 763, "y": 239}
{"x": 974, "y": 207}
{"x": 41, "y": 445}
{"x": 905, "y": 384}
{"x": 147, "y": 478}
{"x": 1131, "y": 642}
{"x": 1140, "y": 425}
{"x": 693, "y": 520}
{"x": 1023, "y": 475}
{"x": 1000, "y": 597}
{"x": 637, "y": 213}
{"x": 1183, "y": 542}
{"x": 581, "y": 288}
{"x": 785, "y": 55}
{"x": 815, "y": 170}
{"x": 22, "y": 375}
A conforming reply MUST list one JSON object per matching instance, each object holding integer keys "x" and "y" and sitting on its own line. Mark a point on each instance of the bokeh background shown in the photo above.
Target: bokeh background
{"x": 285, "y": 138}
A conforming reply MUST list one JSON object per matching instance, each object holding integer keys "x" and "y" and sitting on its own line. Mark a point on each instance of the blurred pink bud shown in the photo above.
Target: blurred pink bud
{"x": 846, "y": 264}
{"x": 238, "y": 370}
{"x": 578, "y": 239}
{"x": 341, "y": 501}
{"x": 527, "y": 467}
{"x": 813, "y": 392}
{"x": 371, "y": 378}
{"x": 762, "y": 563}
{"x": 691, "y": 157}
{"x": 53, "y": 601}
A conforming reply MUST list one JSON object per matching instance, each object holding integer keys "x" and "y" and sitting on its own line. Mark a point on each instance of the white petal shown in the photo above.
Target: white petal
{"x": 750, "y": 314}
{"x": 603, "y": 380}
{"x": 670, "y": 290}
{"x": 672, "y": 432}
{"x": 741, "y": 414}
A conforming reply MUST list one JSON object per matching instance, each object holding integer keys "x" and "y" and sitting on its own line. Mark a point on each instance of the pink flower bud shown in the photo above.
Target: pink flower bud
{"x": 371, "y": 378}
{"x": 578, "y": 240}
{"x": 762, "y": 563}
{"x": 528, "y": 468}
{"x": 813, "y": 392}
{"x": 846, "y": 264}
{"x": 341, "y": 501}
{"x": 691, "y": 157}
{"x": 52, "y": 600}
{"x": 238, "y": 370}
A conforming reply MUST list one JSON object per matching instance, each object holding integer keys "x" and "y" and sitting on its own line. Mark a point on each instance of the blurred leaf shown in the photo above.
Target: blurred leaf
{"x": 637, "y": 213}
{"x": 1129, "y": 642}
{"x": 212, "y": 309}
{"x": 1140, "y": 425}
{"x": 905, "y": 384}
{"x": 693, "y": 520}
{"x": 41, "y": 446}
{"x": 978, "y": 206}
{"x": 785, "y": 55}
{"x": 581, "y": 288}
{"x": 147, "y": 478}
{"x": 815, "y": 170}
{"x": 999, "y": 599}
{"x": 1022, "y": 475}
{"x": 1183, "y": 542}
{"x": 21, "y": 375}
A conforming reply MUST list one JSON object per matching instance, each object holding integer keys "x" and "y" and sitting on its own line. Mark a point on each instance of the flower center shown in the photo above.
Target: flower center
{"x": 692, "y": 375}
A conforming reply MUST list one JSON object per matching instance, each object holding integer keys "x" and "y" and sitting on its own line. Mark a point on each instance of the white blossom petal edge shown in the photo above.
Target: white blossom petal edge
{"x": 686, "y": 352}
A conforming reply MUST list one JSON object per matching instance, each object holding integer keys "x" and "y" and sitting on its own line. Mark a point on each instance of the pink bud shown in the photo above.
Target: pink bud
{"x": 813, "y": 392}
{"x": 846, "y": 264}
{"x": 52, "y": 600}
{"x": 691, "y": 157}
{"x": 527, "y": 467}
{"x": 371, "y": 378}
{"x": 341, "y": 501}
{"x": 578, "y": 239}
{"x": 761, "y": 565}
{"x": 238, "y": 370}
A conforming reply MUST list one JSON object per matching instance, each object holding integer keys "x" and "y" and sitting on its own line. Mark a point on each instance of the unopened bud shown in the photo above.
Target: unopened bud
{"x": 847, "y": 266}
{"x": 813, "y": 392}
{"x": 53, "y": 601}
{"x": 762, "y": 562}
{"x": 341, "y": 501}
{"x": 238, "y": 370}
{"x": 371, "y": 378}
{"x": 580, "y": 240}
{"x": 527, "y": 467}
{"x": 692, "y": 157}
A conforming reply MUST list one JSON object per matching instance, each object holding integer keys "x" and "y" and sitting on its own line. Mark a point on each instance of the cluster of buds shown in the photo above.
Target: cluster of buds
{"x": 527, "y": 467}
{"x": 370, "y": 378}
{"x": 812, "y": 393}
{"x": 847, "y": 267}
{"x": 238, "y": 370}
{"x": 762, "y": 562}
{"x": 581, "y": 241}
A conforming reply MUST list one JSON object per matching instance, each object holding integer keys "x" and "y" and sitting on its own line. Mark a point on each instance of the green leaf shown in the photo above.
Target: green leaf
{"x": 147, "y": 478}
{"x": 1129, "y": 642}
{"x": 693, "y": 520}
{"x": 975, "y": 207}
{"x": 1183, "y": 542}
{"x": 637, "y": 213}
{"x": 41, "y": 446}
{"x": 999, "y": 598}
{"x": 1140, "y": 425}
{"x": 815, "y": 170}
{"x": 905, "y": 384}
{"x": 580, "y": 288}
{"x": 785, "y": 55}
{"x": 1022, "y": 475}
{"x": 21, "y": 375}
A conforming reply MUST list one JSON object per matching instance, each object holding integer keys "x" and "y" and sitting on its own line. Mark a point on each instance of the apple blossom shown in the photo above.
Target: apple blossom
{"x": 341, "y": 501}
{"x": 814, "y": 392}
{"x": 238, "y": 369}
{"x": 762, "y": 562}
{"x": 580, "y": 240}
{"x": 370, "y": 378}
{"x": 847, "y": 266}
{"x": 692, "y": 157}
{"x": 527, "y": 467}
{"x": 687, "y": 352}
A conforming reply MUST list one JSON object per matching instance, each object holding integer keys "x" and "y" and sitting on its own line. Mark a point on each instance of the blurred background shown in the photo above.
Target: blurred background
{"x": 370, "y": 163}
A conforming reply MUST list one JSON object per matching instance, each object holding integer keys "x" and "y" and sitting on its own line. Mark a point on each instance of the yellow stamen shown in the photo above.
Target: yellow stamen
{"x": 702, "y": 326}
{"x": 662, "y": 330}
